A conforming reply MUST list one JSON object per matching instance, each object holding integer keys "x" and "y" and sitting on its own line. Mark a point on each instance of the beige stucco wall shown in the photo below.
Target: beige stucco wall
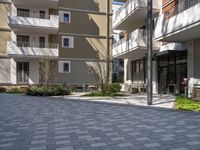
{"x": 5, "y": 33}
{"x": 80, "y": 74}
{"x": 4, "y": 37}
{"x": 5, "y": 68}
{"x": 92, "y": 5}
{"x": 86, "y": 48}
{"x": 86, "y": 23}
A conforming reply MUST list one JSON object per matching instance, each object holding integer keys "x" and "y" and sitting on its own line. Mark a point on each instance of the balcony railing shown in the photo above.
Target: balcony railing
{"x": 32, "y": 49}
{"x": 180, "y": 7}
{"x": 127, "y": 8}
{"x": 137, "y": 40}
{"x": 37, "y": 44}
{"x": 47, "y": 22}
{"x": 21, "y": 13}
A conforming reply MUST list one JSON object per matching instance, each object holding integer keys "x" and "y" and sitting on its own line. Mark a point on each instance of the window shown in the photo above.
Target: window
{"x": 65, "y": 16}
{"x": 22, "y": 72}
{"x": 68, "y": 42}
{"x": 23, "y": 41}
{"x": 138, "y": 66}
{"x": 64, "y": 66}
{"x": 23, "y": 12}
{"x": 42, "y": 14}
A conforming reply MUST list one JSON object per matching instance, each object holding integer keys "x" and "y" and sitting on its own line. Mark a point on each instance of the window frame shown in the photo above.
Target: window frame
{"x": 64, "y": 63}
{"x": 61, "y": 66}
{"x": 62, "y": 14}
{"x": 71, "y": 41}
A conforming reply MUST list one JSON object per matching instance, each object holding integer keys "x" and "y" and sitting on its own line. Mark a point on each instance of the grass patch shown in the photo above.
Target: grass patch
{"x": 183, "y": 103}
{"x": 101, "y": 94}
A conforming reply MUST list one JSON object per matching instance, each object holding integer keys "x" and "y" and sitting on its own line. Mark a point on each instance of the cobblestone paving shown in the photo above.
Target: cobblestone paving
{"x": 34, "y": 123}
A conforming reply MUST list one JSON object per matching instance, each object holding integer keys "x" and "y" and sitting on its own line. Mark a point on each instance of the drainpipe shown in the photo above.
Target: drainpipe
{"x": 149, "y": 51}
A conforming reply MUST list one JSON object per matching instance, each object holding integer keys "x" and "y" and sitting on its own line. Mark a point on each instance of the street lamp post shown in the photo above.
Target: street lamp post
{"x": 108, "y": 40}
{"x": 149, "y": 51}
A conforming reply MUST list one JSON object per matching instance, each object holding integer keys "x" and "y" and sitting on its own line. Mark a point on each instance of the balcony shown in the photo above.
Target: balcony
{"x": 173, "y": 46}
{"x": 136, "y": 46}
{"x": 34, "y": 22}
{"x": 132, "y": 14}
{"x": 37, "y": 3}
{"x": 180, "y": 24}
{"x": 30, "y": 49}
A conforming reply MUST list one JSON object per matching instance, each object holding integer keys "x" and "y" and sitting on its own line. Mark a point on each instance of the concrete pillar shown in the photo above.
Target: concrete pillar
{"x": 155, "y": 78}
{"x": 193, "y": 65}
{"x": 127, "y": 75}
{"x": 13, "y": 71}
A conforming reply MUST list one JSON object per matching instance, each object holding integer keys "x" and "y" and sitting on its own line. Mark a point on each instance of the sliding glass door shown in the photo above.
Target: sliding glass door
{"x": 23, "y": 72}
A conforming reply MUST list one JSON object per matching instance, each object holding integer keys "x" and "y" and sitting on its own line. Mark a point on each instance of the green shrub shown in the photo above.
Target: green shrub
{"x": 3, "y": 90}
{"x": 112, "y": 88}
{"x": 187, "y": 104}
{"x": 48, "y": 90}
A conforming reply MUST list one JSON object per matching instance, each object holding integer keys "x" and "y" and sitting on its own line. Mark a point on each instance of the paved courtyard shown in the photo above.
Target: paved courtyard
{"x": 164, "y": 101}
{"x": 34, "y": 123}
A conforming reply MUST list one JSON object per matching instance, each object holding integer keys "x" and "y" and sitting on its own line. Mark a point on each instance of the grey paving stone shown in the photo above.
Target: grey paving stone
{"x": 39, "y": 123}
{"x": 98, "y": 144}
{"x": 194, "y": 143}
{"x": 38, "y": 148}
{"x": 125, "y": 145}
{"x": 181, "y": 148}
{"x": 65, "y": 148}
{"x": 152, "y": 145}
{"x": 6, "y": 145}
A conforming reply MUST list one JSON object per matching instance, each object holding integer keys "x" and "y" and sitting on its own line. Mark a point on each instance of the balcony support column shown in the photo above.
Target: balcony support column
{"x": 149, "y": 51}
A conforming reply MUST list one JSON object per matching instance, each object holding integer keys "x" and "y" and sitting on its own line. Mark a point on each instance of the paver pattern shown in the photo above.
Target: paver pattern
{"x": 35, "y": 123}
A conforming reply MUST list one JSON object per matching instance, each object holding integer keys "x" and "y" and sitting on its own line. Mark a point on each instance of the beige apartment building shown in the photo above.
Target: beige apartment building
{"x": 71, "y": 34}
{"x": 85, "y": 30}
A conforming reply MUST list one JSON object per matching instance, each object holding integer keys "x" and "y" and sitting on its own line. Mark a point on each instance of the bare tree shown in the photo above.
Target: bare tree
{"x": 47, "y": 71}
{"x": 99, "y": 70}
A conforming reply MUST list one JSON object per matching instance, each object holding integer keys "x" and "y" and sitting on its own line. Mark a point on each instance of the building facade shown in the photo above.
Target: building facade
{"x": 178, "y": 26}
{"x": 130, "y": 22}
{"x": 176, "y": 36}
{"x": 85, "y": 30}
{"x": 65, "y": 35}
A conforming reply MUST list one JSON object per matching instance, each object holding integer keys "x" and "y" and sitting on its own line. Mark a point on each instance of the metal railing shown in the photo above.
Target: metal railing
{"x": 120, "y": 42}
{"x": 27, "y": 14}
{"x": 129, "y": 39}
{"x": 37, "y": 44}
{"x": 126, "y": 7}
{"x": 180, "y": 7}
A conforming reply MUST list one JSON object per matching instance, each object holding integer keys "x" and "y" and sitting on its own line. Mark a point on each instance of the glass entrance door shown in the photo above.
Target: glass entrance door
{"x": 23, "y": 72}
{"x": 163, "y": 80}
{"x": 181, "y": 73}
